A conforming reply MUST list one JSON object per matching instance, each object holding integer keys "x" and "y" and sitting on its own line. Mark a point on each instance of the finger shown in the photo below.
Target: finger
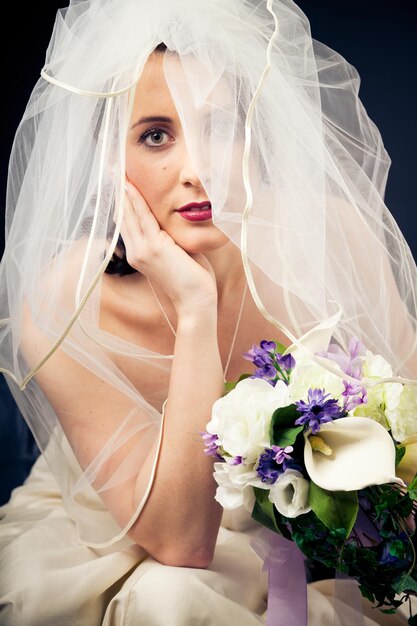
{"x": 131, "y": 221}
{"x": 146, "y": 218}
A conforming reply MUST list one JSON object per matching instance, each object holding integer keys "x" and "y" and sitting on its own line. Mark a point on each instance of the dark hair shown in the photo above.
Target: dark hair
{"x": 118, "y": 264}
{"x": 160, "y": 48}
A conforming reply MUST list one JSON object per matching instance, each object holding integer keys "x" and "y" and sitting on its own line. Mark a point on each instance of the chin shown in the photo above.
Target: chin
{"x": 201, "y": 243}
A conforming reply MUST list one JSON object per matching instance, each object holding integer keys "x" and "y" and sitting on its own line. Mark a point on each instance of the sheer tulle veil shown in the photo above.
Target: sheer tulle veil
{"x": 292, "y": 164}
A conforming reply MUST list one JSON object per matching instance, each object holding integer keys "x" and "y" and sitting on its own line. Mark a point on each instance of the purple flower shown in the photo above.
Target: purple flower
{"x": 354, "y": 368}
{"x": 286, "y": 361}
{"x": 318, "y": 410}
{"x": 261, "y": 355}
{"x": 268, "y": 468}
{"x": 271, "y": 365}
{"x": 269, "y": 346}
{"x": 393, "y": 550}
{"x": 350, "y": 364}
{"x": 211, "y": 447}
{"x": 354, "y": 394}
{"x": 282, "y": 455}
{"x": 336, "y": 354}
{"x": 267, "y": 372}
{"x": 355, "y": 347}
{"x": 237, "y": 460}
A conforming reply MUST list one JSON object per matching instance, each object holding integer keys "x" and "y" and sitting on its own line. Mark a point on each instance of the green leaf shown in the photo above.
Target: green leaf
{"x": 399, "y": 453}
{"x": 366, "y": 593}
{"x": 397, "y": 549}
{"x": 405, "y": 583}
{"x": 286, "y": 436}
{"x": 280, "y": 347}
{"x": 229, "y": 386}
{"x": 263, "y": 511}
{"x": 412, "y": 488}
{"x": 336, "y": 509}
{"x": 284, "y": 417}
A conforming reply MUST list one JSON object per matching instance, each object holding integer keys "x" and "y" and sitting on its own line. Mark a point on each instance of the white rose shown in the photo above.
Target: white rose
{"x": 384, "y": 399}
{"x": 309, "y": 375}
{"x": 235, "y": 485}
{"x": 289, "y": 494}
{"x": 376, "y": 366}
{"x": 241, "y": 419}
{"x": 403, "y": 418}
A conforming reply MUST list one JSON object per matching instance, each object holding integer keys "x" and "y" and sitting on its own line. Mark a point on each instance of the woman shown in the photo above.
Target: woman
{"x": 117, "y": 348}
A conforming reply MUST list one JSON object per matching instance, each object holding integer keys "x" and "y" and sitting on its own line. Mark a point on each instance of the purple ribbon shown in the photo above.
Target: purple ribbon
{"x": 347, "y": 594}
{"x": 287, "y": 585}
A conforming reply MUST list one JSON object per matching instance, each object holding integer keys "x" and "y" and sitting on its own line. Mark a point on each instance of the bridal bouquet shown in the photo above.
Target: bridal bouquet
{"x": 326, "y": 462}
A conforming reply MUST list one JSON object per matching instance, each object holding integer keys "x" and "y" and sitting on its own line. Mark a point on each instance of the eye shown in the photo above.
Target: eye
{"x": 155, "y": 138}
{"x": 221, "y": 127}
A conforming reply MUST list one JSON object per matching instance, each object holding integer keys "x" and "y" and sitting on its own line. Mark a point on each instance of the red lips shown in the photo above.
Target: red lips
{"x": 196, "y": 211}
{"x": 195, "y": 205}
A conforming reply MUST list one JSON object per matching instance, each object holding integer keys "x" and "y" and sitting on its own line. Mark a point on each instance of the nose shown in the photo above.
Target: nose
{"x": 187, "y": 171}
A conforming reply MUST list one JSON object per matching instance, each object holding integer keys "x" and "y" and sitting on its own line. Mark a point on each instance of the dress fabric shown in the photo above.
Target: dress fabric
{"x": 49, "y": 578}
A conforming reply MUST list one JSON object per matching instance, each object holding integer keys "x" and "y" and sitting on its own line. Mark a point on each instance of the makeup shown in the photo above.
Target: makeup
{"x": 196, "y": 211}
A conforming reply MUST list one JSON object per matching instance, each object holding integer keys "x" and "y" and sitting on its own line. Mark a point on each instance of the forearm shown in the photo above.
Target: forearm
{"x": 180, "y": 520}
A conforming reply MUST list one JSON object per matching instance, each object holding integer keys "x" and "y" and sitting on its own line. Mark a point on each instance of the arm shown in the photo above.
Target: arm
{"x": 180, "y": 520}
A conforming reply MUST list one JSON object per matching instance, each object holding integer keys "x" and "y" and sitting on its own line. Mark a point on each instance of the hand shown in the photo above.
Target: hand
{"x": 187, "y": 279}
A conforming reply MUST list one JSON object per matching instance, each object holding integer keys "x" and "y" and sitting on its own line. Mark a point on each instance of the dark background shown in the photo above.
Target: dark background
{"x": 378, "y": 37}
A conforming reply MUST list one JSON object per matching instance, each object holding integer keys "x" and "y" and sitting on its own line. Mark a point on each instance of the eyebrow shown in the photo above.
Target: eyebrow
{"x": 152, "y": 119}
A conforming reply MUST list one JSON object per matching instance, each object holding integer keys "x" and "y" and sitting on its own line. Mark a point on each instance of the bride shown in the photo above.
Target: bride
{"x": 131, "y": 287}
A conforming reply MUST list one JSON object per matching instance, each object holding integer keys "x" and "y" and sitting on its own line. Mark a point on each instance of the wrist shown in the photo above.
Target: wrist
{"x": 197, "y": 319}
{"x": 197, "y": 308}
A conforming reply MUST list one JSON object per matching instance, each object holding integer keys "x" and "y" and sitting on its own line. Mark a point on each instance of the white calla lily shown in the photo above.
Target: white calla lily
{"x": 362, "y": 454}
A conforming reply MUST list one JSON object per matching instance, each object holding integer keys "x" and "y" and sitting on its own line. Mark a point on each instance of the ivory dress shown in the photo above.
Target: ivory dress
{"x": 49, "y": 578}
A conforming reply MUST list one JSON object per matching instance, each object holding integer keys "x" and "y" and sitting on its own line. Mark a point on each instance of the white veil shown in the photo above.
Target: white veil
{"x": 300, "y": 165}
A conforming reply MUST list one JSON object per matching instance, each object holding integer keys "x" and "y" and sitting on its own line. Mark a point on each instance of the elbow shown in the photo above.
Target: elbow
{"x": 177, "y": 549}
{"x": 180, "y": 556}
{"x": 198, "y": 559}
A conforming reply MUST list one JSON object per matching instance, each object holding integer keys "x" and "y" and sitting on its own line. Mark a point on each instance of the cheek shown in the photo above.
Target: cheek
{"x": 152, "y": 178}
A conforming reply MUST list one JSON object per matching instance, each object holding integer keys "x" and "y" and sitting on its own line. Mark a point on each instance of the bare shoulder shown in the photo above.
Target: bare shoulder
{"x": 127, "y": 311}
{"x": 87, "y": 406}
{"x": 127, "y": 307}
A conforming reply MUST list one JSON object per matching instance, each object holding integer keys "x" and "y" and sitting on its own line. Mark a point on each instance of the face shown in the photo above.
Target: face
{"x": 158, "y": 164}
